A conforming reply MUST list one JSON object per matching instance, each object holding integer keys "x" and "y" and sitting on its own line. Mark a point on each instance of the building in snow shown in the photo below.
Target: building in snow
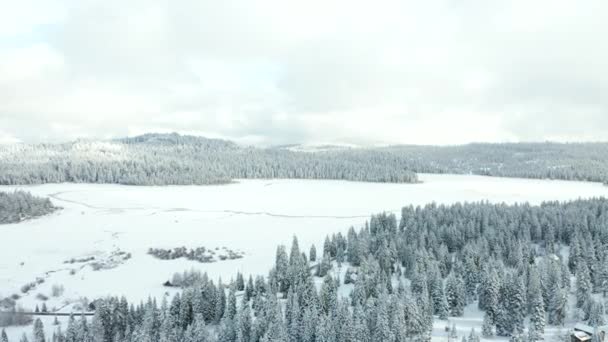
{"x": 584, "y": 333}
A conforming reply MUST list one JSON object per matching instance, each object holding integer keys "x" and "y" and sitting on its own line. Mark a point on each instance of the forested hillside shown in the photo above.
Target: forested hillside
{"x": 157, "y": 159}
{"x": 572, "y": 161}
{"x": 525, "y": 267}
{"x": 19, "y": 205}
{"x": 160, "y": 159}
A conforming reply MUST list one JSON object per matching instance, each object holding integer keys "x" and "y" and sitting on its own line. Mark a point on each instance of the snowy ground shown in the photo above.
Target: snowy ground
{"x": 253, "y": 216}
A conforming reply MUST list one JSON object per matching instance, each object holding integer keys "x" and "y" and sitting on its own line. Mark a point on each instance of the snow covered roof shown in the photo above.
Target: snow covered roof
{"x": 584, "y": 328}
{"x": 582, "y": 336}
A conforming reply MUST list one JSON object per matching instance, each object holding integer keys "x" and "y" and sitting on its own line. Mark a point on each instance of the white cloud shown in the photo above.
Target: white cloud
{"x": 271, "y": 71}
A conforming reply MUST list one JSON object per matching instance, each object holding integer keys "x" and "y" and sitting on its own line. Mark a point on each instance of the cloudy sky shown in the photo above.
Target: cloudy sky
{"x": 314, "y": 71}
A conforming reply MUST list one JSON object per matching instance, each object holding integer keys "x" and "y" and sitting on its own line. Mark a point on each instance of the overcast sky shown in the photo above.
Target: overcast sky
{"x": 314, "y": 71}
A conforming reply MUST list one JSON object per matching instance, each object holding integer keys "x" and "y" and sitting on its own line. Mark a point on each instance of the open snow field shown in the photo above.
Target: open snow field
{"x": 253, "y": 216}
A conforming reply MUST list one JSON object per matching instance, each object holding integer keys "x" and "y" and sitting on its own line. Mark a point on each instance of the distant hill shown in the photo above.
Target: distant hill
{"x": 162, "y": 159}
{"x": 567, "y": 161}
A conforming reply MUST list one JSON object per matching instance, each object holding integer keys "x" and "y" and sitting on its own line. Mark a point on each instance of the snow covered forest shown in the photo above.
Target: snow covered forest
{"x": 527, "y": 268}
{"x": 161, "y": 159}
{"x": 566, "y": 161}
{"x": 158, "y": 159}
{"x": 20, "y": 205}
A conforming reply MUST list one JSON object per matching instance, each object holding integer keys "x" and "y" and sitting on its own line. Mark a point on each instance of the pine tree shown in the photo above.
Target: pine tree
{"x": 227, "y": 330}
{"x": 557, "y": 305}
{"x": 240, "y": 282}
{"x": 328, "y": 295}
{"x": 281, "y": 267}
{"x": 414, "y": 318}
{"x": 38, "y": 331}
{"x": 453, "y": 333}
{"x": 249, "y": 289}
{"x": 382, "y": 330}
{"x": 292, "y": 316}
{"x": 534, "y": 335}
{"x": 361, "y": 330}
{"x": 231, "y": 304}
{"x": 473, "y": 337}
{"x": 442, "y": 308}
{"x": 309, "y": 324}
{"x": 583, "y": 283}
{"x": 313, "y": 253}
{"x": 487, "y": 328}
{"x": 596, "y": 314}
{"x": 490, "y": 293}
{"x": 455, "y": 294}
{"x": 82, "y": 331}
{"x": 244, "y": 325}
{"x": 294, "y": 255}
{"x": 536, "y": 304}
{"x": 517, "y": 303}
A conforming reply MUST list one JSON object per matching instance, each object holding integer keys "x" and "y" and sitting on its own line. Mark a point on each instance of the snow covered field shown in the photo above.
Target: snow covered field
{"x": 253, "y": 216}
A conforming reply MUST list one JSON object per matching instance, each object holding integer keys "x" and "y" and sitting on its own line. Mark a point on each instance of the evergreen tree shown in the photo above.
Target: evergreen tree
{"x": 517, "y": 303}
{"x": 361, "y": 331}
{"x": 382, "y": 330}
{"x": 313, "y": 253}
{"x": 557, "y": 305}
{"x": 583, "y": 283}
{"x": 328, "y": 295}
{"x": 596, "y": 314}
{"x": 227, "y": 330}
{"x": 473, "y": 337}
{"x": 487, "y": 328}
{"x": 244, "y": 325}
{"x": 537, "y": 306}
{"x": 38, "y": 331}
{"x": 240, "y": 282}
{"x": 231, "y": 304}
{"x": 309, "y": 324}
{"x": 281, "y": 268}
{"x": 455, "y": 294}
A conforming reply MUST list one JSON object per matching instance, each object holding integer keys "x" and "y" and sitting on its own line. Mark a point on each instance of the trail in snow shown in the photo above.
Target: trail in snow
{"x": 57, "y": 196}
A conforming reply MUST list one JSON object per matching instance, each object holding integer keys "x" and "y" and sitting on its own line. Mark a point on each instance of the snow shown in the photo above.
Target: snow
{"x": 253, "y": 216}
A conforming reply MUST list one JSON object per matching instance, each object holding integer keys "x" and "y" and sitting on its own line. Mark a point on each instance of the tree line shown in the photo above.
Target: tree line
{"x": 161, "y": 159}
{"x": 173, "y": 159}
{"x": 547, "y": 160}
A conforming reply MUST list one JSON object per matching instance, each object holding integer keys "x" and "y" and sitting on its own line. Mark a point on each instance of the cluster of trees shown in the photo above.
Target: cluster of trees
{"x": 160, "y": 159}
{"x": 200, "y": 254}
{"x": 522, "y": 265}
{"x": 20, "y": 205}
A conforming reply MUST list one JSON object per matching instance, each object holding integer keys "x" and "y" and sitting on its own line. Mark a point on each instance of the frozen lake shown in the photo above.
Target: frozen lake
{"x": 253, "y": 216}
